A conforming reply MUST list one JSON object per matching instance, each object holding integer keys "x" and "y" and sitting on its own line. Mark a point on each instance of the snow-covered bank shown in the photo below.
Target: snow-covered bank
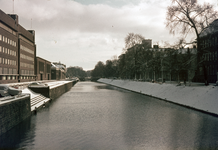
{"x": 204, "y": 98}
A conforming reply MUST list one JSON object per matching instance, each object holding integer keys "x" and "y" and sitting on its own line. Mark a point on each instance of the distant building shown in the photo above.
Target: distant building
{"x": 157, "y": 63}
{"x": 58, "y": 71}
{"x": 43, "y": 69}
{"x": 17, "y": 51}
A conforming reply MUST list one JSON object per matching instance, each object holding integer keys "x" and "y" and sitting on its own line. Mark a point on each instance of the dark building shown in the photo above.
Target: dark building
{"x": 43, "y": 69}
{"x": 209, "y": 49}
{"x": 160, "y": 64}
{"x": 17, "y": 51}
{"x": 58, "y": 71}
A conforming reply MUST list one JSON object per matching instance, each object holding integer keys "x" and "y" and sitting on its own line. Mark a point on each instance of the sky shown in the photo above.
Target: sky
{"x": 83, "y": 32}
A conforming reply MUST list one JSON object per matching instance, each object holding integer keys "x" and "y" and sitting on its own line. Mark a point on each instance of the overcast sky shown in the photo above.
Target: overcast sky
{"x": 83, "y": 32}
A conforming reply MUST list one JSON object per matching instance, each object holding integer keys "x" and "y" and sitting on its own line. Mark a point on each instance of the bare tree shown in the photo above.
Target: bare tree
{"x": 186, "y": 16}
{"x": 133, "y": 39}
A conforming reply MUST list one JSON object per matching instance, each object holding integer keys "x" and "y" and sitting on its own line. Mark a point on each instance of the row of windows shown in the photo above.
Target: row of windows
{"x": 210, "y": 56}
{"x": 14, "y": 77}
{"x": 8, "y": 61}
{"x": 26, "y": 49}
{"x": 7, "y": 77}
{"x": 8, "y": 51}
{"x": 7, "y": 40}
{"x": 7, "y": 28}
{"x": 24, "y": 39}
{"x": 26, "y": 57}
{"x": 209, "y": 42}
{"x": 26, "y": 65}
{"x": 8, "y": 71}
{"x": 29, "y": 72}
{"x": 26, "y": 77}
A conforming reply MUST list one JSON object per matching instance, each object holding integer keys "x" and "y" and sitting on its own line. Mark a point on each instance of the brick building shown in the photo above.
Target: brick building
{"x": 58, "y": 71}
{"x": 43, "y": 69}
{"x": 17, "y": 51}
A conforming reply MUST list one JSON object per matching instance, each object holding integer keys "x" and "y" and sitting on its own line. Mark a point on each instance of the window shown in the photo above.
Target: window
{"x": 6, "y": 61}
{"x": 4, "y": 78}
{"x": 6, "y": 50}
{"x": 14, "y": 71}
{"x": 3, "y": 39}
{"x": 6, "y": 39}
{"x": 0, "y": 49}
{"x": 5, "y": 70}
{"x": 3, "y": 60}
{"x": 0, "y": 60}
{"x": 10, "y": 71}
{"x": 0, "y": 37}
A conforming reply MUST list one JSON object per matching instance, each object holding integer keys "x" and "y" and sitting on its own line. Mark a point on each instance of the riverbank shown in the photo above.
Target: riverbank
{"x": 202, "y": 98}
{"x": 15, "y": 109}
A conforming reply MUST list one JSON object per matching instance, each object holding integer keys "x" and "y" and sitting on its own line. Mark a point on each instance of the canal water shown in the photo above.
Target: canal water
{"x": 94, "y": 116}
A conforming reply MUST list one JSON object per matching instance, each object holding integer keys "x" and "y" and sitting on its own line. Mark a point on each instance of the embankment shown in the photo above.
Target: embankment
{"x": 13, "y": 111}
{"x": 202, "y": 98}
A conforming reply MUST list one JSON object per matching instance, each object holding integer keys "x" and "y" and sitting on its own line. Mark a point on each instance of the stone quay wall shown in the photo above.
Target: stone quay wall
{"x": 14, "y": 111}
{"x": 57, "y": 91}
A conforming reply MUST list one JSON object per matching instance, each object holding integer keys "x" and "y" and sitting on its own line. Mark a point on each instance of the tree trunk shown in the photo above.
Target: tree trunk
{"x": 154, "y": 75}
{"x": 199, "y": 56}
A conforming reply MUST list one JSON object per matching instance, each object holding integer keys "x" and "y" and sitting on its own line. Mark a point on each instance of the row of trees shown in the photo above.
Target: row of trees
{"x": 149, "y": 64}
{"x": 77, "y": 72}
{"x": 183, "y": 17}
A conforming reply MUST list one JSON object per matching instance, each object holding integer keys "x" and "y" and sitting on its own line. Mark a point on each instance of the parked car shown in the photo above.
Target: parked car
{"x": 6, "y": 90}
{"x": 37, "y": 84}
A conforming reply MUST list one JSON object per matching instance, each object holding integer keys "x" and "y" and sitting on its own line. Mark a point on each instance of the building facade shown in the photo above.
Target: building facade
{"x": 43, "y": 69}
{"x": 17, "y": 51}
{"x": 208, "y": 69}
{"x": 58, "y": 71}
{"x": 160, "y": 64}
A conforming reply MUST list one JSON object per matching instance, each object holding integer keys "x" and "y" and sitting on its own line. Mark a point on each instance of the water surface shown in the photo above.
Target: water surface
{"x": 97, "y": 116}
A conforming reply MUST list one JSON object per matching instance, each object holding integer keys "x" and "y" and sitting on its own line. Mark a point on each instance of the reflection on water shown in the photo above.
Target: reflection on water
{"x": 97, "y": 116}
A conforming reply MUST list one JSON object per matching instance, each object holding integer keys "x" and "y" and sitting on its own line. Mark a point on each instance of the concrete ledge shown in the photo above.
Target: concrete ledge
{"x": 203, "y": 98}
